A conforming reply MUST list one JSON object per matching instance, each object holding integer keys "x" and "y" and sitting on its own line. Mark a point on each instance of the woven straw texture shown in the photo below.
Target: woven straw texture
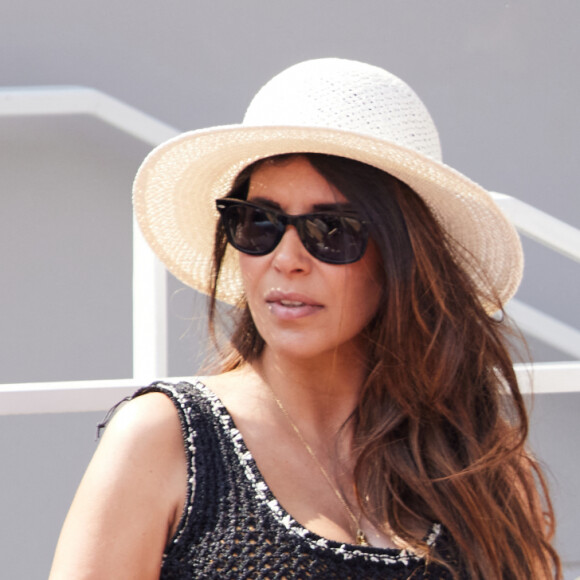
{"x": 332, "y": 106}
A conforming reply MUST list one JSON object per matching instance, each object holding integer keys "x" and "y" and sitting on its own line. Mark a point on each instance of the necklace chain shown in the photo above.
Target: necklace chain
{"x": 360, "y": 537}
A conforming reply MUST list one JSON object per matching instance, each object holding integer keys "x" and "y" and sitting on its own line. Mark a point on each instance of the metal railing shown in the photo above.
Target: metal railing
{"x": 149, "y": 302}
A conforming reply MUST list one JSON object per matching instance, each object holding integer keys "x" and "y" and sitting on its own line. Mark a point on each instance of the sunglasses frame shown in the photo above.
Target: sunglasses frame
{"x": 283, "y": 220}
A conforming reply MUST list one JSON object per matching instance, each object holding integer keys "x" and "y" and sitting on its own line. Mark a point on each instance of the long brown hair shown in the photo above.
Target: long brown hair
{"x": 441, "y": 426}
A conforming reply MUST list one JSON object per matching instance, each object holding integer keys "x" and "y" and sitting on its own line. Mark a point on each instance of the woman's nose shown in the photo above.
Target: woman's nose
{"x": 290, "y": 256}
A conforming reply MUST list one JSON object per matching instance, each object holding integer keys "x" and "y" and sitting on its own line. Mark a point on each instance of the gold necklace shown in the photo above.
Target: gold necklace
{"x": 360, "y": 537}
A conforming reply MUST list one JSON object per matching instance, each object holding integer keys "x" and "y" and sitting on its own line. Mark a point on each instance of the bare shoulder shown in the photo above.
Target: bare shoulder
{"x": 144, "y": 445}
{"x": 131, "y": 496}
{"x": 235, "y": 389}
{"x": 149, "y": 416}
{"x": 144, "y": 434}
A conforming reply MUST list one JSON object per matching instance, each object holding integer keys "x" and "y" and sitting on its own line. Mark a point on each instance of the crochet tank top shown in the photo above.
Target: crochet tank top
{"x": 233, "y": 527}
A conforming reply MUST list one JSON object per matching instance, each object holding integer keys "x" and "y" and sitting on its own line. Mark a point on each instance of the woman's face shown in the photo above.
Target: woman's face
{"x": 303, "y": 307}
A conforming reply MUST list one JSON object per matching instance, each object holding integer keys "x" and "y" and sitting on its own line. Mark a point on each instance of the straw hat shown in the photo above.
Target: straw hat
{"x": 334, "y": 106}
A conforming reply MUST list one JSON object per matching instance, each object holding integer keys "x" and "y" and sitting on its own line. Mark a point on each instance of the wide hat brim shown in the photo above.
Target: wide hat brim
{"x": 175, "y": 189}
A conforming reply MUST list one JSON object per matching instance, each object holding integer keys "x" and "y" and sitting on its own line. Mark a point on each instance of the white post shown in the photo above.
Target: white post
{"x": 149, "y": 312}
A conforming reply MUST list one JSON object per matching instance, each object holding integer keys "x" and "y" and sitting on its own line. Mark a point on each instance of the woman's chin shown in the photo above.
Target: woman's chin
{"x": 305, "y": 349}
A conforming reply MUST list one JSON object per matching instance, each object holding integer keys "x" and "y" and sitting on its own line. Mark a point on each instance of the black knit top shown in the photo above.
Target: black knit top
{"x": 233, "y": 527}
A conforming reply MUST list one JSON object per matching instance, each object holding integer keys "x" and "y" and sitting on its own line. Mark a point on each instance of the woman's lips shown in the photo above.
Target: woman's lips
{"x": 291, "y": 305}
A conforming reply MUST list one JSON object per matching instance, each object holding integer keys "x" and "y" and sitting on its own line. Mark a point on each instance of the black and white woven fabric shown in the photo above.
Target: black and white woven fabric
{"x": 233, "y": 527}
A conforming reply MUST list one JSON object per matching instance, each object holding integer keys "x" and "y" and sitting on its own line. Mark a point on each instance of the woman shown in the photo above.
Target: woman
{"x": 367, "y": 421}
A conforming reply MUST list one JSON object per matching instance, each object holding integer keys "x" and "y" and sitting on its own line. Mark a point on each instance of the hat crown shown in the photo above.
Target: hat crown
{"x": 346, "y": 95}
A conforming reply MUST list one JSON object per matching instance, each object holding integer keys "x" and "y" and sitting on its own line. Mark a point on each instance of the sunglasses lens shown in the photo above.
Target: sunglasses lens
{"x": 250, "y": 229}
{"x": 334, "y": 239}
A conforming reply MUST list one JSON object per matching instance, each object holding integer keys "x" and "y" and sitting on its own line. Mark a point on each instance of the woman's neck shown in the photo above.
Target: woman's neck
{"x": 319, "y": 394}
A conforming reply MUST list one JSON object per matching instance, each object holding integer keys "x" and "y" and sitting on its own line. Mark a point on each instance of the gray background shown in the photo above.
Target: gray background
{"x": 500, "y": 79}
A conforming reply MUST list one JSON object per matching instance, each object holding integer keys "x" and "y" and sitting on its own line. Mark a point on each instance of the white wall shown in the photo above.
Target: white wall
{"x": 500, "y": 79}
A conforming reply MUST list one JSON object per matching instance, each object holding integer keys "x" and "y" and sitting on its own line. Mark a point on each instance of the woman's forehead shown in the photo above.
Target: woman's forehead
{"x": 293, "y": 181}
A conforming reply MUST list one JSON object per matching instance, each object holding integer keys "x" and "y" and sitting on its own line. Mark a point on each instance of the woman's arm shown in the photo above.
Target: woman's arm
{"x": 130, "y": 499}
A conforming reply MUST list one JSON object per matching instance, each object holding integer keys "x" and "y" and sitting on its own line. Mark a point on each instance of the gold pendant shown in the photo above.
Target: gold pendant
{"x": 361, "y": 539}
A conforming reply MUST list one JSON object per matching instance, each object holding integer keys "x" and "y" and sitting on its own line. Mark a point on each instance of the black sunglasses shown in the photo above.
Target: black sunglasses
{"x": 335, "y": 238}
